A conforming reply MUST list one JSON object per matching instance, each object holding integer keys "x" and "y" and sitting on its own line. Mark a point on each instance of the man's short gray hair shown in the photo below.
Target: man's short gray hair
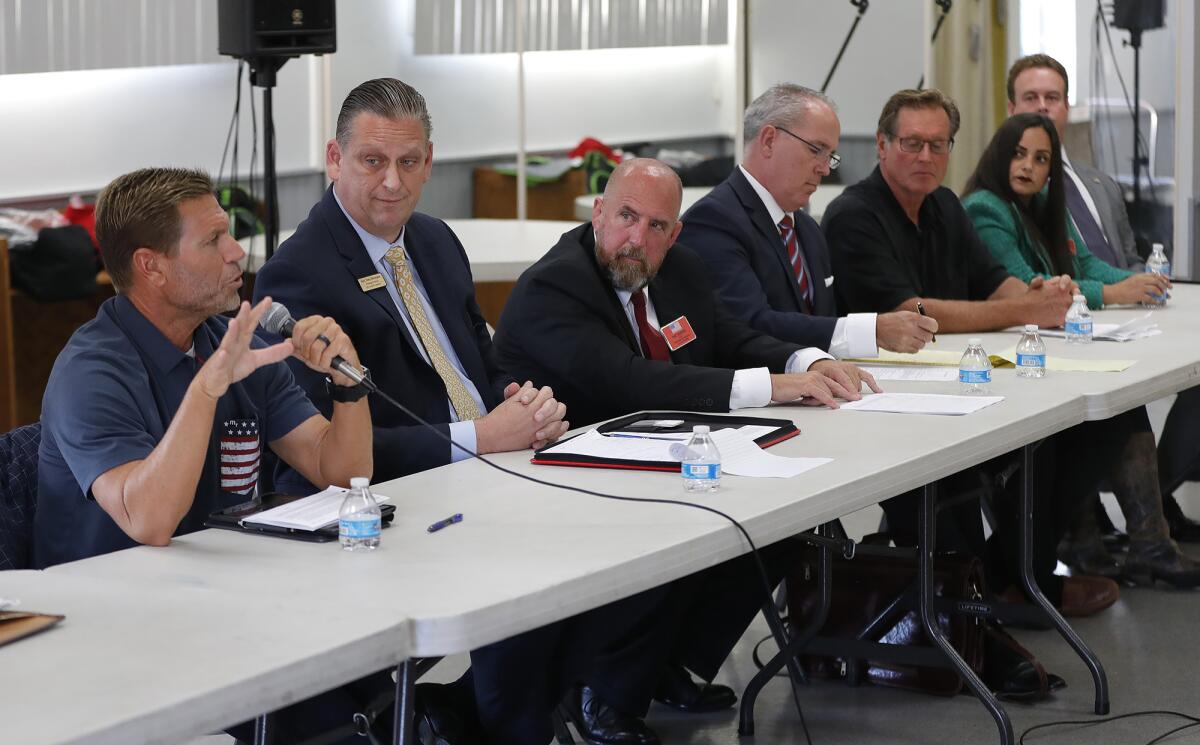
{"x": 781, "y": 104}
{"x": 386, "y": 97}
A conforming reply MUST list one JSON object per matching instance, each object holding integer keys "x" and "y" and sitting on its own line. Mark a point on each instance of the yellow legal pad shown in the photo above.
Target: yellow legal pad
{"x": 1007, "y": 358}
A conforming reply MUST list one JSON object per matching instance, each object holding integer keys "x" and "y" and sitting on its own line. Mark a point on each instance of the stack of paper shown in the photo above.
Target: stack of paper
{"x": 914, "y": 373}
{"x": 926, "y": 357}
{"x": 740, "y": 455}
{"x": 1054, "y": 363}
{"x": 1137, "y": 328}
{"x": 311, "y": 513}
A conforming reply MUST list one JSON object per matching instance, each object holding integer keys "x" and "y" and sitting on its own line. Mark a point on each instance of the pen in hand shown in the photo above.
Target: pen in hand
{"x": 455, "y": 518}
{"x": 921, "y": 310}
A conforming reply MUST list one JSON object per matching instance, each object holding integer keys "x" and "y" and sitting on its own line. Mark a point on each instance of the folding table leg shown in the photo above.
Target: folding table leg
{"x": 262, "y": 730}
{"x": 1099, "y": 679}
{"x": 403, "y": 729}
{"x": 926, "y": 545}
{"x": 789, "y": 647}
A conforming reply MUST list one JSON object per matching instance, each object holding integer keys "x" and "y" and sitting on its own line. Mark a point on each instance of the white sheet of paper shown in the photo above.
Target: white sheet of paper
{"x": 922, "y": 403}
{"x": 755, "y": 431}
{"x": 594, "y": 444}
{"x": 921, "y": 374}
{"x": 311, "y": 513}
{"x": 740, "y": 456}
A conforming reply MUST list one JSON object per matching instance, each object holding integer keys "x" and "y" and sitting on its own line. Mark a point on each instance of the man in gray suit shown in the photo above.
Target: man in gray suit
{"x": 1038, "y": 84}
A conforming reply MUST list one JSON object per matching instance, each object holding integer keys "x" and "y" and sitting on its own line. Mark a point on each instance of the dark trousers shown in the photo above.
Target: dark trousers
{"x": 517, "y": 682}
{"x": 1179, "y": 446}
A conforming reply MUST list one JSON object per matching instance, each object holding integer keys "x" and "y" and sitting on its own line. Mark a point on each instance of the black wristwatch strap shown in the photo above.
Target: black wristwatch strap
{"x": 347, "y": 394}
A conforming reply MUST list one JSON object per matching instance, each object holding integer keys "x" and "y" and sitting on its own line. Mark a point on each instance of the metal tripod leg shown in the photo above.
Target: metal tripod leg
{"x": 789, "y": 647}
{"x": 262, "y": 729}
{"x": 925, "y": 549}
{"x": 1035, "y": 593}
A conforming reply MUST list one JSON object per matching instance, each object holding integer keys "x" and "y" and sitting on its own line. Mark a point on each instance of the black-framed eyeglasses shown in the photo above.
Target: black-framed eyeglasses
{"x": 834, "y": 159}
{"x": 915, "y": 145}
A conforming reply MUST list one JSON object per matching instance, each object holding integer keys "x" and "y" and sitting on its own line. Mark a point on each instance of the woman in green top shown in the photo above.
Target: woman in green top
{"x": 1017, "y": 203}
{"x": 1024, "y": 222}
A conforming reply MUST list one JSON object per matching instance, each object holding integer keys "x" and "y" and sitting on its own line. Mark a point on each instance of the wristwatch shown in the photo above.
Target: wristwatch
{"x": 347, "y": 394}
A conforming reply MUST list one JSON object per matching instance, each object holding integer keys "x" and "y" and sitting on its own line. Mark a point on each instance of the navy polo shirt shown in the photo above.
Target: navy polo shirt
{"x": 112, "y": 394}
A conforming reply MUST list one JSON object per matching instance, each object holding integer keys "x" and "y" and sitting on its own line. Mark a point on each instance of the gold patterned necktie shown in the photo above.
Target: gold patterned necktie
{"x": 464, "y": 406}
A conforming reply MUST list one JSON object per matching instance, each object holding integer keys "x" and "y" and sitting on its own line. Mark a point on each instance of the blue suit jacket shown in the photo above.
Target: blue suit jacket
{"x": 732, "y": 230}
{"x": 316, "y": 271}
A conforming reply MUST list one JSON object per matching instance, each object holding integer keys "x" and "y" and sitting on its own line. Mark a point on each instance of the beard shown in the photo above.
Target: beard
{"x": 625, "y": 275}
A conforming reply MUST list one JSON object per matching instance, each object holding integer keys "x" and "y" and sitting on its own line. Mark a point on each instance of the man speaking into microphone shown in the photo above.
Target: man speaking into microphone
{"x": 158, "y": 409}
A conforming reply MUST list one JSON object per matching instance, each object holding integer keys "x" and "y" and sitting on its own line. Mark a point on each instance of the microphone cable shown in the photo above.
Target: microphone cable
{"x": 762, "y": 570}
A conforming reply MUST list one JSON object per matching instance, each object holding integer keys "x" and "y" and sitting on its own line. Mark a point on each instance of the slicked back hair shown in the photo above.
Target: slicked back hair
{"x": 909, "y": 98}
{"x": 386, "y": 97}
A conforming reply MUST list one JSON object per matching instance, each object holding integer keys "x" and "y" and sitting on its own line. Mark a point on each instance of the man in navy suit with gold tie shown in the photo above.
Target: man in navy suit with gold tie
{"x": 767, "y": 258}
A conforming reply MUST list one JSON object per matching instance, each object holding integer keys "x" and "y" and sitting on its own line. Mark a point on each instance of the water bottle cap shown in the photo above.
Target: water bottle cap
{"x": 1079, "y": 298}
{"x": 700, "y": 429}
{"x": 360, "y": 482}
{"x": 1031, "y": 328}
{"x": 975, "y": 341}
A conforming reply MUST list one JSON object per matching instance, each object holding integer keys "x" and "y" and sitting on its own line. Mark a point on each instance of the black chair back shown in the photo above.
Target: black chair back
{"x": 18, "y": 495}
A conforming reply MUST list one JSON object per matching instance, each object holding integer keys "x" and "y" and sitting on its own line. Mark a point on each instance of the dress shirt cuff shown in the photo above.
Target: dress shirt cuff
{"x": 854, "y": 336}
{"x": 751, "y": 388}
{"x": 464, "y": 434}
{"x": 802, "y": 359}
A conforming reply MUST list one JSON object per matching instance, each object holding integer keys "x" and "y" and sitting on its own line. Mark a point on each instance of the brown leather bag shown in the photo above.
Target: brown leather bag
{"x": 863, "y": 587}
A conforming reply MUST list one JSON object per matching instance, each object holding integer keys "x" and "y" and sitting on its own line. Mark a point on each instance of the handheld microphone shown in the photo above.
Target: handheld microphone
{"x": 279, "y": 321}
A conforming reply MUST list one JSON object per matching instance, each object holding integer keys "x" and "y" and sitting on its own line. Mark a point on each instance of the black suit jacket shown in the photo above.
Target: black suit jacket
{"x": 564, "y": 327}
{"x": 316, "y": 271}
{"x": 733, "y": 232}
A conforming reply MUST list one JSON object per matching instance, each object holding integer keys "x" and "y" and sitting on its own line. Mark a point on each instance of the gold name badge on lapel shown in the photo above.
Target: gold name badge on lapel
{"x": 371, "y": 282}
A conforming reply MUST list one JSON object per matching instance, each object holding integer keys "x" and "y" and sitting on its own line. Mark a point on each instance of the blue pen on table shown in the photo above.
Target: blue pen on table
{"x": 921, "y": 310}
{"x": 455, "y": 518}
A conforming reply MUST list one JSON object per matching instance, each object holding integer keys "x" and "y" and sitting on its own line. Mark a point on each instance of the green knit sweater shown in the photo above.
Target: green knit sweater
{"x": 1002, "y": 231}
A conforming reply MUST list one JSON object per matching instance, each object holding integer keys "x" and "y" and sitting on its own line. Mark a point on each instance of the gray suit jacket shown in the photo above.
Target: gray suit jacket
{"x": 1114, "y": 220}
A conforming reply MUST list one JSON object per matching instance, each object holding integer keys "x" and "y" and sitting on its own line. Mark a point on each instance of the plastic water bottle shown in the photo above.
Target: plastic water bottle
{"x": 1031, "y": 354}
{"x": 701, "y": 467}
{"x": 975, "y": 369}
{"x": 1159, "y": 264}
{"x": 358, "y": 520}
{"x": 1079, "y": 322}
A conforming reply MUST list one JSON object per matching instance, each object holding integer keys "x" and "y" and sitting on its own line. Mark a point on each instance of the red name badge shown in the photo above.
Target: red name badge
{"x": 678, "y": 333}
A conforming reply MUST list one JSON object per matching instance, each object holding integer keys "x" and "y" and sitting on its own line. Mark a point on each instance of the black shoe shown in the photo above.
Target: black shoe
{"x": 600, "y": 724}
{"x": 439, "y": 721}
{"x": 1012, "y": 672}
{"x": 679, "y": 691}
{"x": 1089, "y": 558}
{"x": 1183, "y": 528}
{"x": 1148, "y": 562}
{"x": 1113, "y": 539}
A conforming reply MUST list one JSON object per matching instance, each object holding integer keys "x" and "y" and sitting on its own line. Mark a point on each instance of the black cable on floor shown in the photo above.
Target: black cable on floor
{"x": 1193, "y": 722}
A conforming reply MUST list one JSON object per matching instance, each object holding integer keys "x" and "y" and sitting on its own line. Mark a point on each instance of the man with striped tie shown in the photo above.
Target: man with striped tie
{"x": 768, "y": 258}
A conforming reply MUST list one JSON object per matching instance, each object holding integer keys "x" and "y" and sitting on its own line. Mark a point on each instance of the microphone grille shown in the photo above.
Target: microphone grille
{"x": 276, "y": 319}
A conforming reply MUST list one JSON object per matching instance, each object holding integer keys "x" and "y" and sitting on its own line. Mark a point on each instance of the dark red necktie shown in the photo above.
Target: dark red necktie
{"x": 654, "y": 347}
{"x": 787, "y": 231}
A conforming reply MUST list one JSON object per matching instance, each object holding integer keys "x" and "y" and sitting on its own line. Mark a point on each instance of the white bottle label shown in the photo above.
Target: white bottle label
{"x": 708, "y": 471}
{"x": 974, "y": 376}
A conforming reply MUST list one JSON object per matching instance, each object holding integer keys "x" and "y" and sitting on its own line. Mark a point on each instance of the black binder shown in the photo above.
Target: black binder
{"x": 231, "y": 518}
{"x": 785, "y": 429}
